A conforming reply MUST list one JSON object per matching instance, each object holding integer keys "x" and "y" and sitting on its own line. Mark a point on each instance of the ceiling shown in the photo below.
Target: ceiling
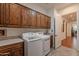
{"x": 54, "y": 5}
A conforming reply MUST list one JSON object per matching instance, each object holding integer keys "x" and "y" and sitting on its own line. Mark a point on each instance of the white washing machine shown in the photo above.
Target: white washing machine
{"x": 33, "y": 46}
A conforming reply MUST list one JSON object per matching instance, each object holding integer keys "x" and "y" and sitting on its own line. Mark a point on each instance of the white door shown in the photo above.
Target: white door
{"x": 59, "y": 35}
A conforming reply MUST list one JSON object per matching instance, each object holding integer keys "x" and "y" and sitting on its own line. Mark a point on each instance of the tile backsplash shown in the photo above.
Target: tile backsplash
{"x": 19, "y": 31}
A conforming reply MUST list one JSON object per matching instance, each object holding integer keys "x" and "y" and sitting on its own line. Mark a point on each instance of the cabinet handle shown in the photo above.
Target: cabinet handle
{"x": 5, "y": 54}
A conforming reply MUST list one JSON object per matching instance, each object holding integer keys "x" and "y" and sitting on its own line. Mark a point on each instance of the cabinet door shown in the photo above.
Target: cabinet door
{"x": 43, "y": 21}
{"x": 15, "y": 16}
{"x": 29, "y": 17}
{"x": 33, "y": 20}
{"x": 17, "y": 49}
{"x": 5, "y": 52}
{"x": 38, "y": 20}
{"x": 18, "y": 52}
{"x": 2, "y": 15}
{"x": 26, "y": 17}
{"x": 7, "y": 13}
{"x": 48, "y": 22}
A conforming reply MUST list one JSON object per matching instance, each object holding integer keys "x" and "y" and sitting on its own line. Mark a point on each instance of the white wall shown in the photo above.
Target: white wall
{"x": 37, "y": 8}
{"x": 69, "y": 9}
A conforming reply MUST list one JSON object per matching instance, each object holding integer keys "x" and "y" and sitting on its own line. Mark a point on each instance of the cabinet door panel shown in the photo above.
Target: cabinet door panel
{"x": 42, "y": 21}
{"x": 12, "y": 50}
{"x": 29, "y": 17}
{"x": 33, "y": 20}
{"x": 38, "y": 20}
{"x": 48, "y": 22}
{"x": 5, "y": 52}
{"x": 46, "y": 18}
{"x": 2, "y": 15}
{"x": 17, "y": 49}
{"x": 45, "y": 21}
{"x": 26, "y": 17}
{"x": 18, "y": 52}
{"x": 15, "y": 15}
{"x": 7, "y": 13}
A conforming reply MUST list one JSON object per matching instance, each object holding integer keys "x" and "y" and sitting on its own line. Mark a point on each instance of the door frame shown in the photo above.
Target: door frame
{"x": 54, "y": 34}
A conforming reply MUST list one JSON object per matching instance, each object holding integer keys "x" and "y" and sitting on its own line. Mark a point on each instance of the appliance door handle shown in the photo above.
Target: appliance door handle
{"x": 36, "y": 40}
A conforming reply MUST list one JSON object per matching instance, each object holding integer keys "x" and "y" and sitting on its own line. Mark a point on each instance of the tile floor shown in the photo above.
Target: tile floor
{"x": 63, "y": 51}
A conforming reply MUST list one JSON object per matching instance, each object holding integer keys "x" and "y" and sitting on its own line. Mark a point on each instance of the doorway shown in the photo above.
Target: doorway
{"x": 71, "y": 30}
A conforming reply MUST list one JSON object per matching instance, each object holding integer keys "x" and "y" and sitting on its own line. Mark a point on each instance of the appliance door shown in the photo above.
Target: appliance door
{"x": 35, "y": 48}
{"x": 46, "y": 46}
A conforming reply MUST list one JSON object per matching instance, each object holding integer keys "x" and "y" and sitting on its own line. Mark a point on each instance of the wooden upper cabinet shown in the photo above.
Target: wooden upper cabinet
{"x": 26, "y": 17}
{"x": 14, "y": 16}
{"x": 48, "y": 22}
{"x": 38, "y": 25}
{"x": 45, "y": 22}
{"x": 7, "y": 14}
{"x": 2, "y": 15}
{"x": 42, "y": 21}
{"x": 33, "y": 19}
{"x": 29, "y": 17}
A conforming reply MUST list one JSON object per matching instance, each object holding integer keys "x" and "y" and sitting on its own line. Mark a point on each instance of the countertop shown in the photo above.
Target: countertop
{"x": 10, "y": 41}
